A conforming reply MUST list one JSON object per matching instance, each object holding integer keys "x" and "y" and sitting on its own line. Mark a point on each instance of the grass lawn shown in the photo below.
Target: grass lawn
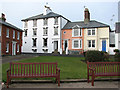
{"x": 71, "y": 67}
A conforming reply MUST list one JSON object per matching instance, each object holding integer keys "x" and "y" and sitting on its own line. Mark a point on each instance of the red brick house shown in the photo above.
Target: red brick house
{"x": 10, "y": 38}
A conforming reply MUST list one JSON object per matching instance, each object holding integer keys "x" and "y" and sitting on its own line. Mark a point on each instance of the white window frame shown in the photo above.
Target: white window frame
{"x": 56, "y": 20}
{"x": 45, "y": 21}
{"x": 18, "y": 35}
{"x": 18, "y": 48}
{"x": 34, "y": 23}
{"x": 7, "y": 33}
{"x": 44, "y": 42}
{"x": 91, "y": 32}
{"x": 91, "y": 41}
{"x": 55, "y": 30}
{"x": 13, "y": 34}
{"x": 79, "y": 44}
{"x": 45, "y": 31}
{"x": 25, "y": 24}
{"x": 79, "y": 31}
{"x": 7, "y": 47}
{"x": 34, "y": 41}
{"x": 25, "y": 32}
{"x": 34, "y": 30}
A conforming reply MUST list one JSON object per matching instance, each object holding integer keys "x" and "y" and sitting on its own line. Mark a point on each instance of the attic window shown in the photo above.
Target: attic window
{"x": 26, "y": 24}
{"x": 45, "y": 21}
{"x": 34, "y": 23}
{"x": 56, "y": 20}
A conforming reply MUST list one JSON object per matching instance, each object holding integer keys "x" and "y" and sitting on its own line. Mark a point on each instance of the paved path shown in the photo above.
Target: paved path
{"x": 7, "y": 59}
{"x": 98, "y": 84}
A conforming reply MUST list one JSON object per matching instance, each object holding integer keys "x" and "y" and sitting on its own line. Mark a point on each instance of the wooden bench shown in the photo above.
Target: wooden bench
{"x": 33, "y": 70}
{"x": 95, "y": 69}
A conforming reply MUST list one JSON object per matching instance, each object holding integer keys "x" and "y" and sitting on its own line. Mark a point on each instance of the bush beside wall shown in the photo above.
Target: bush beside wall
{"x": 96, "y": 56}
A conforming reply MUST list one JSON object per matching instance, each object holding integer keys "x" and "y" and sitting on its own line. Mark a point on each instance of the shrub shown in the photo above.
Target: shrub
{"x": 117, "y": 57}
{"x": 94, "y": 56}
{"x": 63, "y": 52}
{"x": 105, "y": 55}
{"x": 116, "y": 50}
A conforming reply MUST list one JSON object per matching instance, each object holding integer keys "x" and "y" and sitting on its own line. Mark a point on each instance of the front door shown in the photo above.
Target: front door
{"x": 13, "y": 48}
{"x": 104, "y": 45}
{"x": 65, "y": 45}
{"x": 55, "y": 45}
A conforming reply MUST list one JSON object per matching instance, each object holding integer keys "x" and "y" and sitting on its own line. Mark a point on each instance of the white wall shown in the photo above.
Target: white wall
{"x": 51, "y": 37}
{"x": 117, "y": 40}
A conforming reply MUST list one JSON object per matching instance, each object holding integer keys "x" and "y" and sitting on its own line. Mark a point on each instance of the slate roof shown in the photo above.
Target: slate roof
{"x": 41, "y": 16}
{"x": 10, "y": 25}
{"x": 117, "y": 27}
{"x": 91, "y": 24}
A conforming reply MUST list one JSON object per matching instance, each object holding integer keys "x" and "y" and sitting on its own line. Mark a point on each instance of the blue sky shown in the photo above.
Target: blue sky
{"x": 73, "y": 10}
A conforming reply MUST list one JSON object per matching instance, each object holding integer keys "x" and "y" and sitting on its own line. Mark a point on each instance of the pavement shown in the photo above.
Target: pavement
{"x": 6, "y": 59}
{"x": 98, "y": 84}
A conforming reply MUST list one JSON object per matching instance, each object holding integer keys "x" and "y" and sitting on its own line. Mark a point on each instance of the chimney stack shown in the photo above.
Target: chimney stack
{"x": 3, "y": 17}
{"x": 86, "y": 16}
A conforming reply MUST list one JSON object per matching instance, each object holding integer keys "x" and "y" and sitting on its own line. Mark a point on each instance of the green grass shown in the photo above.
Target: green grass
{"x": 71, "y": 67}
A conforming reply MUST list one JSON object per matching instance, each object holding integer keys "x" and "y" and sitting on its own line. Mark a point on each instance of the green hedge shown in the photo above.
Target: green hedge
{"x": 117, "y": 57}
{"x": 95, "y": 56}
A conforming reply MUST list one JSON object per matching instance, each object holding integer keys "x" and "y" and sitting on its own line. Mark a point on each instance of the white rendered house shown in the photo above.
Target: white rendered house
{"x": 42, "y": 33}
{"x": 117, "y": 36}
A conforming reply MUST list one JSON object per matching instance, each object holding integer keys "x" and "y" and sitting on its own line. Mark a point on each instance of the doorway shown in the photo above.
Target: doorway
{"x": 55, "y": 45}
{"x": 104, "y": 45}
{"x": 65, "y": 45}
{"x": 13, "y": 48}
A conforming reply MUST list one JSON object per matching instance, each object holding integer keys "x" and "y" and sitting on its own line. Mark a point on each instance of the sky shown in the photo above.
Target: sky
{"x": 105, "y": 11}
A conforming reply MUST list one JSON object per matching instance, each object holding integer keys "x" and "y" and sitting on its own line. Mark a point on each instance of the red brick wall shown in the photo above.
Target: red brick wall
{"x": 9, "y": 40}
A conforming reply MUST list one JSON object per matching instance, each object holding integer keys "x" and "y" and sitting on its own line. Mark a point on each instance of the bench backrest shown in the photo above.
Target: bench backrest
{"x": 105, "y": 67}
{"x": 27, "y": 69}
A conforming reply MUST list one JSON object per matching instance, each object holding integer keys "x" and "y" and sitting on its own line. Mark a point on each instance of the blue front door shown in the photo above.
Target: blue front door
{"x": 104, "y": 45}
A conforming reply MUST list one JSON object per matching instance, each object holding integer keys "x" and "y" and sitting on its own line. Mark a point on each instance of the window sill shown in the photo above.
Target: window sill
{"x": 76, "y": 36}
{"x": 55, "y": 34}
{"x": 45, "y": 35}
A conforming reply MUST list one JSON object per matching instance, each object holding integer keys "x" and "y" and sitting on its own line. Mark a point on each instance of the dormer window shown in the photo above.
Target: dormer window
{"x": 45, "y": 21}
{"x": 76, "y": 31}
{"x": 56, "y": 20}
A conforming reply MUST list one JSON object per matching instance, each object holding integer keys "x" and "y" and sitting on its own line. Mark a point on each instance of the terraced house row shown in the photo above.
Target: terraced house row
{"x": 49, "y": 32}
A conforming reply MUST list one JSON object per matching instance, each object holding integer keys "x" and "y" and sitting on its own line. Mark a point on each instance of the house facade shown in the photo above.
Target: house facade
{"x": 85, "y": 35}
{"x": 117, "y": 35}
{"x": 10, "y": 38}
{"x": 42, "y": 33}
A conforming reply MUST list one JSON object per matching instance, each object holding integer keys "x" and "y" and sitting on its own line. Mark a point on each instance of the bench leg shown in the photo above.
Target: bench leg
{"x": 88, "y": 79}
{"x": 8, "y": 79}
{"x": 58, "y": 81}
{"x": 58, "y": 78}
{"x": 93, "y": 77}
